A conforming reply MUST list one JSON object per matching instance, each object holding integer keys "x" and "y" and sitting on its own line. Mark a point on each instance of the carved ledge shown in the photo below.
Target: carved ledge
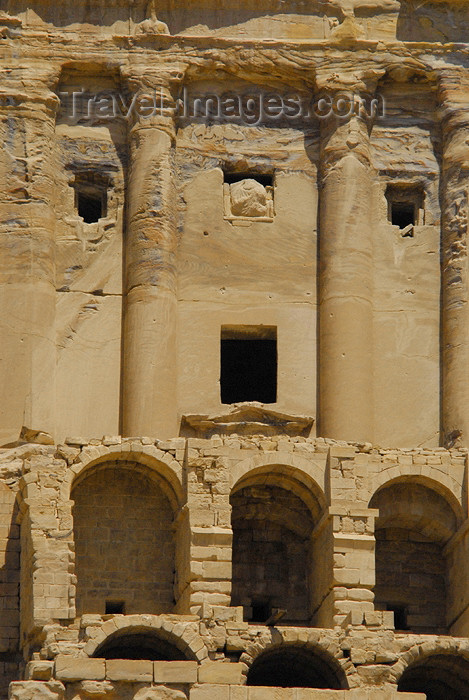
{"x": 10, "y": 20}
{"x": 247, "y": 418}
{"x": 10, "y": 27}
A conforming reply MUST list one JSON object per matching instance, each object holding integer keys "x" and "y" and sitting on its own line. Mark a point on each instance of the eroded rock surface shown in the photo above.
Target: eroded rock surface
{"x": 234, "y": 386}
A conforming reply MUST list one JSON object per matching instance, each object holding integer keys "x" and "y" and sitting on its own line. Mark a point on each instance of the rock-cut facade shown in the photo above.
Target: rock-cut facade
{"x": 234, "y": 350}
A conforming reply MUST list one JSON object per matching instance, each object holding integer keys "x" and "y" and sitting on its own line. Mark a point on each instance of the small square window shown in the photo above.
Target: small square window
{"x": 115, "y": 607}
{"x": 400, "y": 616}
{"x": 90, "y": 206}
{"x": 248, "y": 364}
{"x": 90, "y": 197}
{"x": 261, "y": 611}
{"x": 405, "y": 207}
{"x": 402, "y": 214}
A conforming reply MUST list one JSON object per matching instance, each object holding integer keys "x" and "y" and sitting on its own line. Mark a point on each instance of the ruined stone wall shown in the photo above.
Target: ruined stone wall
{"x": 317, "y": 539}
{"x": 271, "y": 564}
{"x": 9, "y": 589}
{"x": 201, "y": 493}
{"x": 124, "y": 548}
{"x": 411, "y": 574}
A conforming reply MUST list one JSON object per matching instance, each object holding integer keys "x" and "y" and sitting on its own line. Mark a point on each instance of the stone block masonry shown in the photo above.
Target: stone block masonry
{"x": 355, "y": 635}
{"x": 233, "y": 242}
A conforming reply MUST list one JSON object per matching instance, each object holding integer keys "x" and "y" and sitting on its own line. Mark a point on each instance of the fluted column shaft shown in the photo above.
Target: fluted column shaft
{"x": 149, "y": 401}
{"x": 454, "y": 260}
{"x": 345, "y": 281}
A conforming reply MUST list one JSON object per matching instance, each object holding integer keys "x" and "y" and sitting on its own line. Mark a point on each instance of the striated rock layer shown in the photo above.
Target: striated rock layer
{"x": 233, "y": 241}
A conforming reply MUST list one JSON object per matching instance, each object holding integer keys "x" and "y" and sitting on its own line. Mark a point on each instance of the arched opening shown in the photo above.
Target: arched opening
{"x": 292, "y": 666}
{"x": 140, "y": 645}
{"x": 272, "y": 528}
{"x": 440, "y": 676}
{"x": 124, "y": 541}
{"x": 414, "y": 524}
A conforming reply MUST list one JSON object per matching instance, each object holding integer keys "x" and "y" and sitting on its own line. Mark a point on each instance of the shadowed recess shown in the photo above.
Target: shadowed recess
{"x": 441, "y": 677}
{"x": 296, "y": 667}
{"x": 139, "y": 646}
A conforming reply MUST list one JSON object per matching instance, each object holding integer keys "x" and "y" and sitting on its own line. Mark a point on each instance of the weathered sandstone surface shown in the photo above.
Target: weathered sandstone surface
{"x": 233, "y": 242}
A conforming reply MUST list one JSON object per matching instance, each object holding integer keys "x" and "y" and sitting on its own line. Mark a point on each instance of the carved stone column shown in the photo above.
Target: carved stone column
{"x": 149, "y": 405}
{"x": 345, "y": 280}
{"x": 27, "y": 260}
{"x": 454, "y": 261}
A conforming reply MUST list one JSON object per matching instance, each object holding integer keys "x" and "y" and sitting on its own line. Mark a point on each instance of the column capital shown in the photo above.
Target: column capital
{"x": 336, "y": 81}
{"x": 19, "y": 100}
{"x": 450, "y": 81}
{"x": 346, "y": 106}
{"x": 453, "y": 99}
{"x": 341, "y": 137}
{"x": 154, "y": 94}
{"x": 168, "y": 77}
{"x": 454, "y": 115}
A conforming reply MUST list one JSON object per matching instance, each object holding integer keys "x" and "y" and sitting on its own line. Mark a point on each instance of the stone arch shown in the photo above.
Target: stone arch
{"x": 162, "y": 464}
{"x": 433, "y": 478}
{"x": 439, "y": 668}
{"x": 297, "y": 664}
{"x": 415, "y": 523}
{"x": 431, "y": 485}
{"x": 183, "y": 637}
{"x": 304, "y": 474}
{"x": 272, "y": 551}
{"x": 124, "y": 534}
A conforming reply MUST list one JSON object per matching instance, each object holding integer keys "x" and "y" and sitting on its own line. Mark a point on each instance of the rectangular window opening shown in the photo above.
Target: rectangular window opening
{"x": 115, "y": 607}
{"x": 90, "y": 206}
{"x": 400, "y": 616}
{"x": 405, "y": 207}
{"x": 402, "y": 214}
{"x": 261, "y": 611}
{"x": 91, "y": 196}
{"x": 248, "y": 364}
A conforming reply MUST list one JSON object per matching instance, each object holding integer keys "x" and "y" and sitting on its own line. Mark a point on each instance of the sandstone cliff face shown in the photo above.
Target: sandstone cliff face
{"x": 236, "y": 214}
{"x": 239, "y": 232}
{"x": 381, "y": 19}
{"x": 228, "y": 258}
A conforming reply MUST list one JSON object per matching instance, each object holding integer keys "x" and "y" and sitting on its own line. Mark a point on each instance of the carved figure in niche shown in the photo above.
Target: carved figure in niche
{"x": 248, "y": 198}
{"x": 152, "y": 24}
{"x": 348, "y": 30}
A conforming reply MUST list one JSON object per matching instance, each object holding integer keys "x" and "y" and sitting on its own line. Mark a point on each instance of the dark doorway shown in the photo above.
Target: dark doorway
{"x": 296, "y": 667}
{"x": 248, "y": 364}
{"x": 440, "y": 677}
{"x": 139, "y": 646}
{"x": 90, "y": 206}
